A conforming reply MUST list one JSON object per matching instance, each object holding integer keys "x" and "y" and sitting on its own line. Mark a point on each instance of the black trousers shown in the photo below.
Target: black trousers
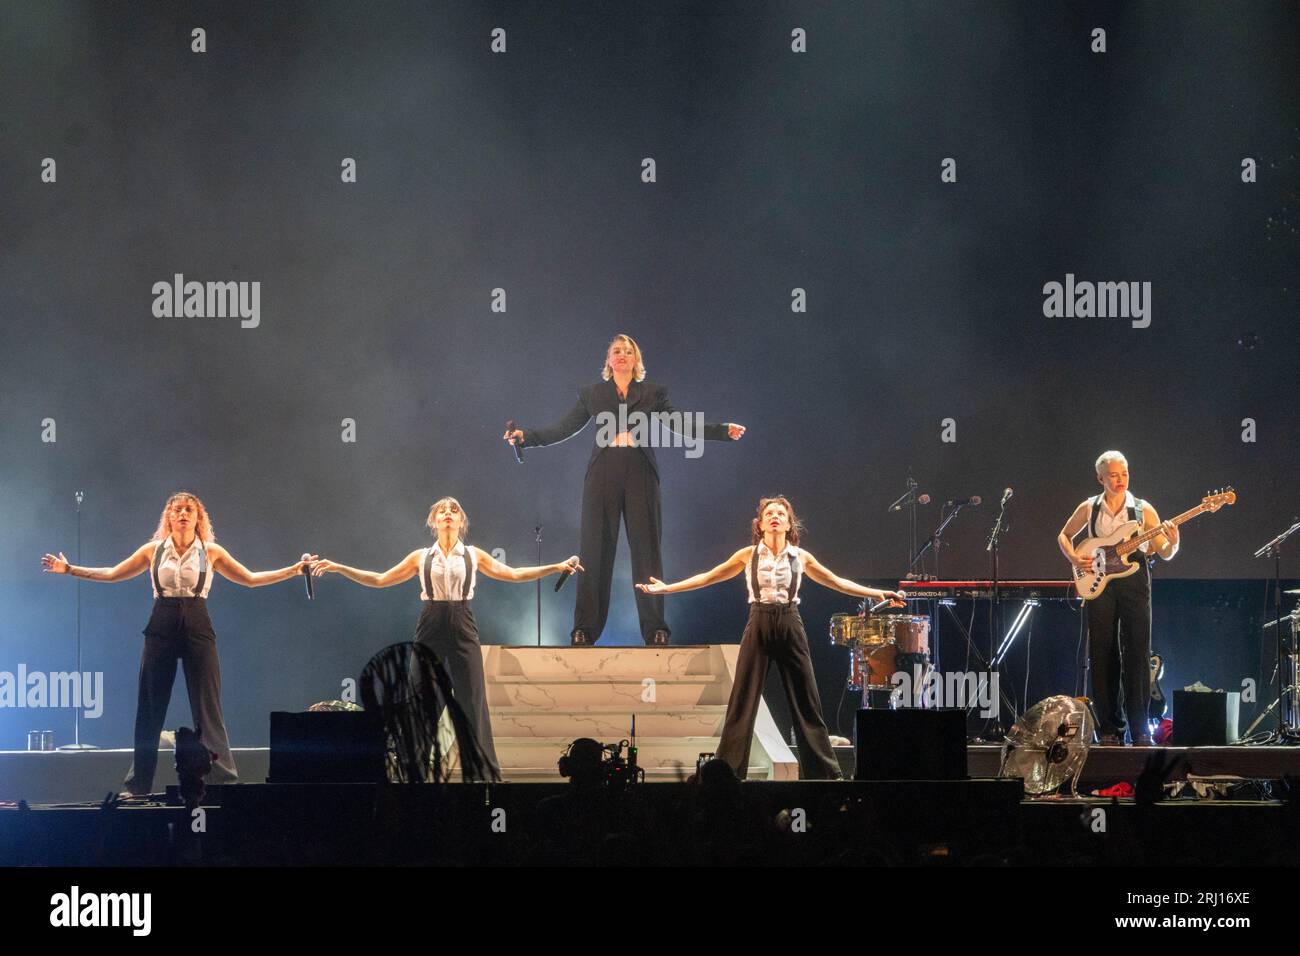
{"x": 775, "y": 634}
{"x": 620, "y": 485}
{"x": 447, "y": 628}
{"x": 1119, "y": 653}
{"x": 179, "y": 629}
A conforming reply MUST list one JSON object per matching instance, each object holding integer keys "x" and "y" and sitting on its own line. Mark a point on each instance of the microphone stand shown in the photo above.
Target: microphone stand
{"x": 995, "y": 607}
{"x": 76, "y": 714}
{"x": 905, "y": 499}
{"x": 1286, "y": 733}
{"x": 538, "y": 531}
{"x": 934, "y": 542}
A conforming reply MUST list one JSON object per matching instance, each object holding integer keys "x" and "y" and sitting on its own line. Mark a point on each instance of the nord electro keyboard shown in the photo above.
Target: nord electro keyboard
{"x": 983, "y": 590}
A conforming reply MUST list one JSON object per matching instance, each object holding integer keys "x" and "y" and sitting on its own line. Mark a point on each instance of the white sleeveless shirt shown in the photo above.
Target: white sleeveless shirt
{"x": 776, "y": 573}
{"x": 176, "y": 574}
{"x": 444, "y": 575}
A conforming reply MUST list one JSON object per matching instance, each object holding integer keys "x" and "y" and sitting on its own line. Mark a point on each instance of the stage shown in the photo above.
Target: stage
{"x": 968, "y": 822}
{"x": 84, "y": 777}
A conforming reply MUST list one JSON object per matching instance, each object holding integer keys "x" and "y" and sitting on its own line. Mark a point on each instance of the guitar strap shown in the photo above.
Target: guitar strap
{"x": 1134, "y": 514}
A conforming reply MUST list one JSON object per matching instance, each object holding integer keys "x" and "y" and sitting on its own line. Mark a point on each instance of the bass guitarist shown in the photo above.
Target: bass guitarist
{"x": 1119, "y": 618}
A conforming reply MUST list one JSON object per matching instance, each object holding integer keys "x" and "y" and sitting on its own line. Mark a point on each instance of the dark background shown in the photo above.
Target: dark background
{"x": 522, "y": 171}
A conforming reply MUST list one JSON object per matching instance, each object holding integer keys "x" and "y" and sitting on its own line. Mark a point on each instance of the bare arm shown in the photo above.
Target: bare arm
{"x": 1065, "y": 540}
{"x": 724, "y": 571}
{"x": 406, "y": 569}
{"x": 224, "y": 563}
{"x": 492, "y": 568}
{"x": 824, "y": 576}
{"x": 1166, "y": 543}
{"x": 136, "y": 564}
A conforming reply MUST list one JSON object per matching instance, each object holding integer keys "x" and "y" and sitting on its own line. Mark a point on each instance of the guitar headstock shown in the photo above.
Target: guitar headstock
{"x": 1216, "y": 500}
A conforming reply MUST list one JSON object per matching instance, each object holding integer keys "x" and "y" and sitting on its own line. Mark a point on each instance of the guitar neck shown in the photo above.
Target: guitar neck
{"x": 1133, "y": 544}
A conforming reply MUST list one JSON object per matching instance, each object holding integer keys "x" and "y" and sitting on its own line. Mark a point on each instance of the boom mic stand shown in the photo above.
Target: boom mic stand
{"x": 1288, "y": 713}
{"x": 934, "y": 542}
{"x": 909, "y": 499}
{"x": 995, "y": 608}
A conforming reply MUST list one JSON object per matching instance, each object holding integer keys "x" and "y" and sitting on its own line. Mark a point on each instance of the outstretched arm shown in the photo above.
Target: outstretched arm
{"x": 137, "y": 563}
{"x": 824, "y": 576}
{"x": 724, "y": 571}
{"x": 568, "y": 426}
{"x": 224, "y": 563}
{"x": 493, "y": 568}
{"x": 713, "y": 431}
{"x": 406, "y": 569}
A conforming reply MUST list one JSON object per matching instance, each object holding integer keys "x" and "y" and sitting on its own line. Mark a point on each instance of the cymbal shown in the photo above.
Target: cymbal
{"x": 1293, "y": 591}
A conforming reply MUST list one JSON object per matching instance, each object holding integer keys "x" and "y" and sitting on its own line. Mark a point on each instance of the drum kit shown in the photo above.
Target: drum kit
{"x": 881, "y": 646}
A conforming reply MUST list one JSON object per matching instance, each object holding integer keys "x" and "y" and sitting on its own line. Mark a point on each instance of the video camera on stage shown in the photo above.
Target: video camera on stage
{"x": 589, "y": 762}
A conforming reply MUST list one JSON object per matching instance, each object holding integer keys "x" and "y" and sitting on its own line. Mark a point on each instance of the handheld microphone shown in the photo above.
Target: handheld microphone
{"x": 963, "y": 502}
{"x": 306, "y": 576}
{"x": 564, "y": 576}
{"x": 1006, "y": 496}
{"x": 519, "y": 452}
{"x": 902, "y": 503}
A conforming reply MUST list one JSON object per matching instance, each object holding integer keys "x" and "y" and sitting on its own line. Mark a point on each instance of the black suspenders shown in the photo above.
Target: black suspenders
{"x": 428, "y": 575}
{"x": 157, "y": 560}
{"x": 795, "y": 573}
{"x": 1096, "y": 510}
{"x": 203, "y": 568}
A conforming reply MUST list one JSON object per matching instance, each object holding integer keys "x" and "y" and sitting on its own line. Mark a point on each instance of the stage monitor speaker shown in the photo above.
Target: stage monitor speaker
{"x": 911, "y": 744}
{"x": 327, "y": 747}
{"x": 1205, "y": 719}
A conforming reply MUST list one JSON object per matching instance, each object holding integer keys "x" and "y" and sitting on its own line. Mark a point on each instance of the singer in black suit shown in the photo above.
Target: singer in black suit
{"x": 622, "y": 482}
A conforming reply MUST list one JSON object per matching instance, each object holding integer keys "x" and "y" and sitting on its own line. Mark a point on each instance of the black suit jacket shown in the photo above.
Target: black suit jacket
{"x": 645, "y": 397}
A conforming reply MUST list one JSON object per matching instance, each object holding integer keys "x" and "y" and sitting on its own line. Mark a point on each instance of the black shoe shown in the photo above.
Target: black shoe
{"x": 1110, "y": 740}
{"x": 659, "y": 639}
{"x": 1143, "y": 740}
{"x": 579, "y": 638}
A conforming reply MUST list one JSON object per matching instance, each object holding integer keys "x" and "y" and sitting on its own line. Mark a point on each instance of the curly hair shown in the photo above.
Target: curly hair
{"x": 202, "y": 523}
{"x": 795, "y": 526}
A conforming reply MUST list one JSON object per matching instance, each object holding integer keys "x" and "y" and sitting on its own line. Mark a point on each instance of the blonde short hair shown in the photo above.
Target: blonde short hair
{"x": 1107, "y": 457}
{"x": 607, "y": 373}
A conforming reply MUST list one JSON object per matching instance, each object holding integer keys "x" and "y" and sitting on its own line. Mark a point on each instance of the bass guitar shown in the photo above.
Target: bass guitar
{"x": 1110, "y": 555}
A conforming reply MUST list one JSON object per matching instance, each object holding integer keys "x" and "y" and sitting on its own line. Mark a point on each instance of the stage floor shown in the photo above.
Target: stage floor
{"x": 83, "y": 777}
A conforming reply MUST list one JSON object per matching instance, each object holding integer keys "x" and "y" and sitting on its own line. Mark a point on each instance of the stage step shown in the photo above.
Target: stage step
{"x": 543, "y": 698}
{"x": 610, "y": 724}
{"x": 605, "y": 663}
